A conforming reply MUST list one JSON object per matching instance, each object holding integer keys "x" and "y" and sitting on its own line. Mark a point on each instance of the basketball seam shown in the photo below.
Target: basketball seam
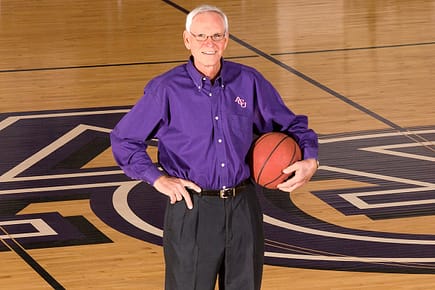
{"x": 278, "y": 177}
{"x": 272, "y": 181}
{"x": 268, "y": 157}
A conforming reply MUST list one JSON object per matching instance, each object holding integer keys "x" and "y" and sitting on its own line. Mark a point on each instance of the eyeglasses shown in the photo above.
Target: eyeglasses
{"x": 202, "y": 37}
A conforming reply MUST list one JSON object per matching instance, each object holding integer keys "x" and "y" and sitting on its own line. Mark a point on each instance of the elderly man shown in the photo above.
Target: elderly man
{"x": 205, "y": 114}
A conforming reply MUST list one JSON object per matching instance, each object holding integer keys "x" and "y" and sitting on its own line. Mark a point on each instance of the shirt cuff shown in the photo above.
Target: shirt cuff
{"x": 152, "y": 175}
{"x": 311, "y": 153}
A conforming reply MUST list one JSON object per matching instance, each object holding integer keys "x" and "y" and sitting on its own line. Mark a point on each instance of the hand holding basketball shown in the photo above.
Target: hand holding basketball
{"x": 271, "y": 154}
{"x": 303, "y": 171}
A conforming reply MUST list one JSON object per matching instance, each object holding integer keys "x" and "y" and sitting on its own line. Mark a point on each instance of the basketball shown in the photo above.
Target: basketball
{"x": 270, "y": 154}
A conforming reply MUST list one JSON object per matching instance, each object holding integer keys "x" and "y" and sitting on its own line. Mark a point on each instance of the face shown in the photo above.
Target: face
{"x": 207, "y": 53}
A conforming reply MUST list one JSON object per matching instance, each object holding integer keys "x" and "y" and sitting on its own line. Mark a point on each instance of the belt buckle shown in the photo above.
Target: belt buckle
{"x": 227, "y": 192}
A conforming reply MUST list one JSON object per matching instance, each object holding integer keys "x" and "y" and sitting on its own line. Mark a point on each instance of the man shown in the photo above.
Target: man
{"x": 205, "y": 114}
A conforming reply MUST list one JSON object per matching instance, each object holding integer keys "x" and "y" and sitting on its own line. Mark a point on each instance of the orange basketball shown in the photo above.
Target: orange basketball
{"x": 271, "y": 153}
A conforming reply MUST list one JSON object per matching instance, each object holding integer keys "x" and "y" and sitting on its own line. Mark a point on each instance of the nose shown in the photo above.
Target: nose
{"x": 209, "y": 41}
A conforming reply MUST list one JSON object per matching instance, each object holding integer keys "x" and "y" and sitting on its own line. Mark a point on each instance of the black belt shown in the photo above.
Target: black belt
{"x": 223, "y": 193}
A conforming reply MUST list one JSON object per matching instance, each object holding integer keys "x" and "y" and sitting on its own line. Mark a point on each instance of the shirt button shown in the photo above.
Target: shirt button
{"x": 204, "y": 79}
{"x": 210, "y": 94}
{"x": 216, "y": 118}
{"x": 219, "y": 140}
{"x": 222, "y": 165}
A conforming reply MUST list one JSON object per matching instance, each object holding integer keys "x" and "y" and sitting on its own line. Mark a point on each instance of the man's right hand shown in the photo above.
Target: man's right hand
{"x": 175, "y": 189}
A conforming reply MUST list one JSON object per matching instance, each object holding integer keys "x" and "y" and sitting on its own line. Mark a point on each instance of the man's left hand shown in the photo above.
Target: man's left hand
{"x": 303, "y": 171}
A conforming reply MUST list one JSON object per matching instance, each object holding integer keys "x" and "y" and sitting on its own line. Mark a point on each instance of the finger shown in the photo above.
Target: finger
{"x": 288, "y": 170}
{"x": 294, "y": 187}
{"x": 284, "y": 188}
{"x": 192, "y": 186}
{"x": 287, "y": 188}
{"x": 290, "y": 184}
{"x": 188, "y": 199}
{"x": 178, "y": 196}
{"x": 172, "y": 199}
{"x": 284, "y": 185}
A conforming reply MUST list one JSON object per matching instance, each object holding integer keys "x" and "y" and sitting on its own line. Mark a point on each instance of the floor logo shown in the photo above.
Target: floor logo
{"x": 43, "y": 158}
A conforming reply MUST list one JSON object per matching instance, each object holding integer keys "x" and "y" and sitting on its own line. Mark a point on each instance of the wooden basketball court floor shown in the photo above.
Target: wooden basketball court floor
{"x": 363, "y": 72}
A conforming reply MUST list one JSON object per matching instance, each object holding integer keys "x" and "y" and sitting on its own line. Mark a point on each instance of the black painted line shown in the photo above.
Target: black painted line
{"x": 106, "y": 65}
{"x": 356, "y": 48}
{"x": 318, "y": 85}
{"x": 303, "y": 76}
{"x": 19, "y": 250}
{"x": 85, "y": 66}
{"x": 176, "y": 6}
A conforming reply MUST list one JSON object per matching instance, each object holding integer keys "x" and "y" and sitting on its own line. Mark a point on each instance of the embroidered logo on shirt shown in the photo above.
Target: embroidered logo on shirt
{"x": 240, "y": 101}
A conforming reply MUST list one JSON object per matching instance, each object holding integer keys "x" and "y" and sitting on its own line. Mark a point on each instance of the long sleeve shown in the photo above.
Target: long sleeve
{"x": 129, "y": 138}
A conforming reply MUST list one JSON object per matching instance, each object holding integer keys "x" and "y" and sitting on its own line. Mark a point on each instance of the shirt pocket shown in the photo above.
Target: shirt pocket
{"x": 240, "y": 128}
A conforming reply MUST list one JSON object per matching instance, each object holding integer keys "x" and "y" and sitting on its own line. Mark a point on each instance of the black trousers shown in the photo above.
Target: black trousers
{"x": 218, "y": 239}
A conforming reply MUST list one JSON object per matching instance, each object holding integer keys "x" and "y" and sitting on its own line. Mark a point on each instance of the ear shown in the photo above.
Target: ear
{"x": 186, "y": 39}
{"x": 226, "y": 42}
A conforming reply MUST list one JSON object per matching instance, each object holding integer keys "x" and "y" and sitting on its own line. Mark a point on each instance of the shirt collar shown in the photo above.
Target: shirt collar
{"x": 197, "y": 78}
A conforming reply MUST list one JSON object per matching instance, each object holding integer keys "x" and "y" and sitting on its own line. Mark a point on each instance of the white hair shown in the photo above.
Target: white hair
{"x": 203, "y": 9}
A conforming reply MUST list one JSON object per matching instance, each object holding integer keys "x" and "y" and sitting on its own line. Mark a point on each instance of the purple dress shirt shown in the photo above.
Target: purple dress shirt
{"x": 204, "y": 130}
